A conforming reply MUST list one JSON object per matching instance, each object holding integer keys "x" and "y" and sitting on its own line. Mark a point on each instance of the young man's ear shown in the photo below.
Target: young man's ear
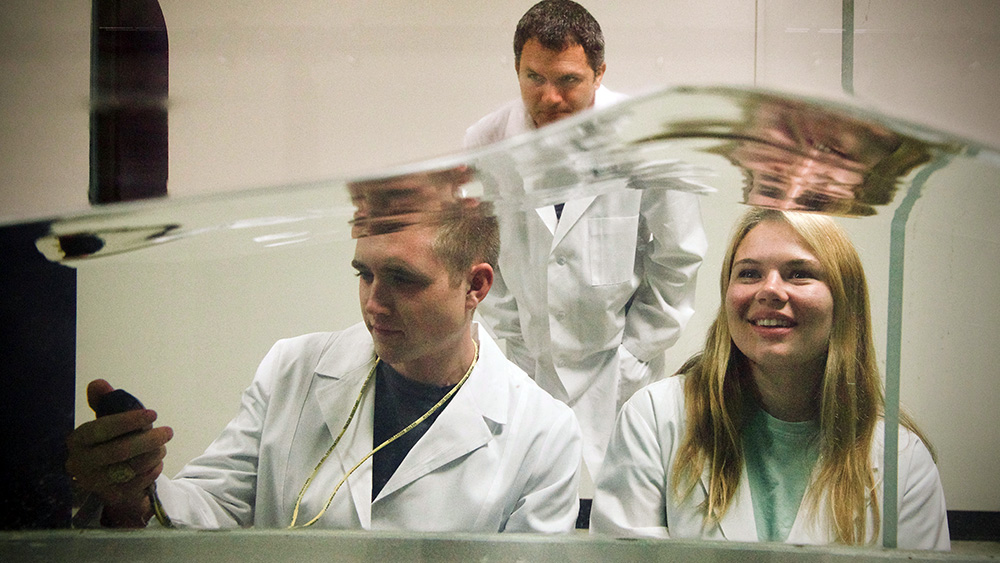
{"x": 480, "y": 281}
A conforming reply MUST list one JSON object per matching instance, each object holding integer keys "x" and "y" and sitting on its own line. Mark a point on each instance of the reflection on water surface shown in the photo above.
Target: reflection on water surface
{"x": 793, "y": 153}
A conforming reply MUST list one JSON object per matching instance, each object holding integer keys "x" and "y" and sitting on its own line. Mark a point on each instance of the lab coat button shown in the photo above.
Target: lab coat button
{"x": 561, "y": 260}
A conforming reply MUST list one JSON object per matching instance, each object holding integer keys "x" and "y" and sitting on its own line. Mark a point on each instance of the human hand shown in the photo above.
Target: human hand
{"x": 118, "y": 457}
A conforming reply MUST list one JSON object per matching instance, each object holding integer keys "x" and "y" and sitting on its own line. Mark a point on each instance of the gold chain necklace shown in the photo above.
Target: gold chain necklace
{"x": 350, "y": 417}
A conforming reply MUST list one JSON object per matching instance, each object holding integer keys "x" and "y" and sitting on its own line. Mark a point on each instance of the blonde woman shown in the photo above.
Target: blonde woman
{"x": 774, "y": 432}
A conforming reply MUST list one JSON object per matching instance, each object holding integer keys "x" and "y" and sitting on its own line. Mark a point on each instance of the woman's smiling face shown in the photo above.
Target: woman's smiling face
{"x": 778, "y": 304}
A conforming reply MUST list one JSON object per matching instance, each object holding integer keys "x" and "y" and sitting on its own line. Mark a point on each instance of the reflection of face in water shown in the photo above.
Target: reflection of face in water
{"x": 797, "y": 159}
{"x": 392, "y": 204}
{"x": 780, "y": 179}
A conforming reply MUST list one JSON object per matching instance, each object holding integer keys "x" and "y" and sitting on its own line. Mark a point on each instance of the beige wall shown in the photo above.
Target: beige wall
{"x": 273, "y": 93}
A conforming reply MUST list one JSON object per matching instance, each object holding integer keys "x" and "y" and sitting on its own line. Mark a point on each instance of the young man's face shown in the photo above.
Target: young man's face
{"x": 556, "y": 84}
{"x": 417, "y": 316}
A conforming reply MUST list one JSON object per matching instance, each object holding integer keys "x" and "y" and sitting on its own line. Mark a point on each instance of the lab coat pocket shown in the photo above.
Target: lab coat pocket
{"x": 612, "y": 249}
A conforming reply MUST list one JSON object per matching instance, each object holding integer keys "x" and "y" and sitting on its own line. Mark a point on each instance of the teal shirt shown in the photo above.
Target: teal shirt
{"x": 780, "y": 457}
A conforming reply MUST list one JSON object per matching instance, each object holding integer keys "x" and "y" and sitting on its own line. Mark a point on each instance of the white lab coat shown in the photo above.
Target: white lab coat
{"x": 580, "y": 299}
{"x": 502, "y": 455}
{"x": 633, "y": 497}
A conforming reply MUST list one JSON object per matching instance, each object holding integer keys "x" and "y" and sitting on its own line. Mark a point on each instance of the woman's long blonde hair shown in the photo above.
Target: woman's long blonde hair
{"x": 718, "y": 389}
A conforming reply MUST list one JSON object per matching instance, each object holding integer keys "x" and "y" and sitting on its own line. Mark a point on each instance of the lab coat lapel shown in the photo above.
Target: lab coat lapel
{"x": 813, "y": 523}
{"x": 571, "y": 213}
{"x": 336, "y": 397}
{"x": 547, "y": 215}
{"x": 738, "y": 523}
{"x": 462, "y": 427}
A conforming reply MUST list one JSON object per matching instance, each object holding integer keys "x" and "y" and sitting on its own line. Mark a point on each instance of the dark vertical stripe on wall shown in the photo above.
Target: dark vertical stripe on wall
{"x": 128, "y": 92}
{"x": 847, "y": 48}
{"x": 38, "y": 365}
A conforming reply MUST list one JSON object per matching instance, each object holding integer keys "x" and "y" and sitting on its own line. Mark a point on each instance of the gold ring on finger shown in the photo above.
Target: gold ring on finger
{"x": 120, "y": 473}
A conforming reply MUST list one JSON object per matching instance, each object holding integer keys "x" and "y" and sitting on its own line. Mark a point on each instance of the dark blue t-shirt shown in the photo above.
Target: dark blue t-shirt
{"x": 398, "y": 402}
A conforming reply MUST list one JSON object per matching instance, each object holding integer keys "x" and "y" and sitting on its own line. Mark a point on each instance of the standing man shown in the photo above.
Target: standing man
{"x": 412, "y": 420}
{"x": 589, "y": 294}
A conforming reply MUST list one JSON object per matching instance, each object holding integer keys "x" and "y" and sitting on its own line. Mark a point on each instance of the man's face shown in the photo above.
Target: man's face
{"x": 807, "y": 160}
{"x": 416, "y": 315}
{"x": 556, "y": 84}
{"x": 806, "y": 180}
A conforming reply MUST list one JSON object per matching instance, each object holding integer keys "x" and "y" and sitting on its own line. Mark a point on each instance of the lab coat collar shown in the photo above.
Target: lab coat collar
{"x": 467, "y": 423}
{"x": 518, "y": 122}
{"x": 572, "y": 211}
{"x": 340, "y": 377}
{"x": 336, "y": 390}
{"x": 738, "y": 523}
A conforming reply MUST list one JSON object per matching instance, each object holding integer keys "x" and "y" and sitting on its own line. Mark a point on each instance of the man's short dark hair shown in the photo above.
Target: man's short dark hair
{"x": 558, "y": 24}
{"x": 467, "y": 236}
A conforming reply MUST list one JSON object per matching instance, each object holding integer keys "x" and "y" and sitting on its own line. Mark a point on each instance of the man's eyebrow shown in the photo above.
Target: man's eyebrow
{"x": 397, "y": 267}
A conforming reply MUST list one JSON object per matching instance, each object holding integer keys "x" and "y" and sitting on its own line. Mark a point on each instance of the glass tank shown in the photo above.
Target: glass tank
{"x": 286, "y": 130}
